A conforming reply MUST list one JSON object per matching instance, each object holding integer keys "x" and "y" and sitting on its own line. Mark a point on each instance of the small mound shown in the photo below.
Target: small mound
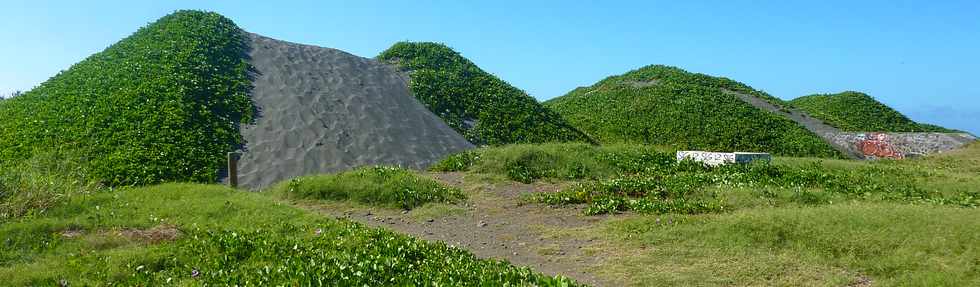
{"x": 323, "y": 110}
{"x": 485, "y": 109}
{"x": 382, "y": 186}
{"x": 859, "y": 112}
{"x": 663, "y": 105}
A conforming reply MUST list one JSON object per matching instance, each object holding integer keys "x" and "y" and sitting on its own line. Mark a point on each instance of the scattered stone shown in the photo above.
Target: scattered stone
{"x": 482, "y": 224}
{"x": 430, "y": 220}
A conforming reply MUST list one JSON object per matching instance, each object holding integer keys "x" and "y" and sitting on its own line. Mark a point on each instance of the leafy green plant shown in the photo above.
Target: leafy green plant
{"x": 378, "y": 185}
{"x": 667, "y": 106}
{"x": 858, "y": 112}
{"x": 163, "y": 104}
{"x": 481, "y": 107}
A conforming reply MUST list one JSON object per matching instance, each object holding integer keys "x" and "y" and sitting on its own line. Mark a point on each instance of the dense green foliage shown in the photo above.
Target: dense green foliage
{"x": 227, "y": 237}
{"x": 668, "y": 106}
{"x": 163, "y": 104}
{"x": 481, "y": 107}
{"x": 380, "y": 185}
{"x": 858, "y": 112}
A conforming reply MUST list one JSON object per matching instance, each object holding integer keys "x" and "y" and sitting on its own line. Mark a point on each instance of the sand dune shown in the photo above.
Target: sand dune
{"x": 324, "y": 110}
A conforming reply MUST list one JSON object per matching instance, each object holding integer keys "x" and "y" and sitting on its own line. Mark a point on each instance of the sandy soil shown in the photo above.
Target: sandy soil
{"x": 324, "y": 110}
{"x": 494, "y": 223}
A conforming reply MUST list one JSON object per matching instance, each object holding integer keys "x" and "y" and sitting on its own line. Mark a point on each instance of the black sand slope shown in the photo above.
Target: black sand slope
{"x": 324, "y": 110}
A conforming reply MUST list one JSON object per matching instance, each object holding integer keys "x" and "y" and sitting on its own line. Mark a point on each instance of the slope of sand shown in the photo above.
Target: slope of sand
{"x": 323, "y": 110}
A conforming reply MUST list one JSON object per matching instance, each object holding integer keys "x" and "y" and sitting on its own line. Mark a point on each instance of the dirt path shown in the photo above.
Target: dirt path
{"x": 493, "y": 223}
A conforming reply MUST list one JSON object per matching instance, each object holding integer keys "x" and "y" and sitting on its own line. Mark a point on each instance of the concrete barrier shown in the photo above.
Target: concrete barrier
{"x": 720, "y": 158}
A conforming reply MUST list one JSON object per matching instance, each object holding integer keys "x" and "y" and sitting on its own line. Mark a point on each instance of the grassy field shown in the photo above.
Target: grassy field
{"x": 842, "y": 240}
{"x": 192, "y": 234}
{"x": 613, "y": 179}
{"x": 798, "y": 221}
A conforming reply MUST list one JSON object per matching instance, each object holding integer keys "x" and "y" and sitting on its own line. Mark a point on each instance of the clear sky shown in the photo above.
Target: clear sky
{"x": 920, "y": 57}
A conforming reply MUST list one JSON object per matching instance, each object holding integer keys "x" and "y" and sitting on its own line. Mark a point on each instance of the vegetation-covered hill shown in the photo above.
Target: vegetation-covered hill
{"x": 668, "y": 106}
{"x": 858, "y": 112}
{"x": 481, "y": 107}
{"x": 163, "y": 104}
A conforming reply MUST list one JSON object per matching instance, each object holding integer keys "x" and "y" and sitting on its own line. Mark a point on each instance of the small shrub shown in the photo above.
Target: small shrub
{"x": 456, "y": 162}
{"x": 379, "y": 185}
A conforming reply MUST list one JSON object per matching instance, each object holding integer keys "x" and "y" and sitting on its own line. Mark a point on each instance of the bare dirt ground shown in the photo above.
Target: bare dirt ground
{"x": 494, "y": 223}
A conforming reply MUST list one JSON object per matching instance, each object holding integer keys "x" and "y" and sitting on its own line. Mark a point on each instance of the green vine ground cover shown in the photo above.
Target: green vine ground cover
{"x": 667, "y": 106}
{"x": 478, "y": 105}
{"x": 858, "y": 112}
{"x": 227, "y": 237}
{"x": 163, "y": 104}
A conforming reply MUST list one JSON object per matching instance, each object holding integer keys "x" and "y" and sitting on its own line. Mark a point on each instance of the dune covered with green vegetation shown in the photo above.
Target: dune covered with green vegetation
{"x": 859, "y": 112}
{"x": 163, "y": 104}
{"x": 661, "y": 105}
{"x": 477, "y": 104}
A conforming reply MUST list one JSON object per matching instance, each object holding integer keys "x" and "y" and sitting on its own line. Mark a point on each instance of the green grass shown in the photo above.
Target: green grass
{"x": 480, "y": 106}
{"x": 556, "y": 161}
{"x": 383, "y": 186}
{"x": 667, "y": 106}
{"x": 163, "y": 104}
{"x": 31, "y": 187}
{"x": 858, "y": 112}
{"x": 227, "y": 237}
{"x": 834, "y": 245}
{"x": 809, "y": 236}
{"x": 644, "y": 179}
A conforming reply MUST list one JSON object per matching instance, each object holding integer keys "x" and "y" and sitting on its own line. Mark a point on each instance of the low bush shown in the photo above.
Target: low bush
{"x": 378, "y": 185}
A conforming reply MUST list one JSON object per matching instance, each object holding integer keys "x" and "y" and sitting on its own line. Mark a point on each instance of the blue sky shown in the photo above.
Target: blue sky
{"x": 920, "y": 57}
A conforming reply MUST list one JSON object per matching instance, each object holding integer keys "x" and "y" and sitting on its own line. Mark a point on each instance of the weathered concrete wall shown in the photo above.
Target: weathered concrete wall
{"x": 720, "y": 158}
{"x": 899, "y": 145}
